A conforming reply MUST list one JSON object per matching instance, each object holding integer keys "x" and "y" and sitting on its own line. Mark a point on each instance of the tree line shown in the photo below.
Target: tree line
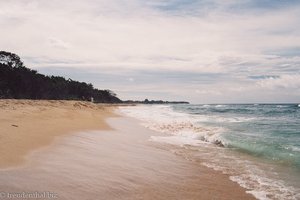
{"x": 20, "y": 82}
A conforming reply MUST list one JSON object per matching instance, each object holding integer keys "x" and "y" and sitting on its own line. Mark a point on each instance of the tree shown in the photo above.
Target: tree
{"x": 19, "y": 82}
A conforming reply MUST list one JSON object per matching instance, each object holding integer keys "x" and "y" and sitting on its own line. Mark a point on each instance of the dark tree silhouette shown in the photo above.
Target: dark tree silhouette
{"x": 20, "y": 82}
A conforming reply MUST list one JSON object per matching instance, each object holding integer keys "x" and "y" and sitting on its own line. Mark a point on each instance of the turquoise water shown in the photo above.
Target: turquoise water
{"x": 269, "y": 131}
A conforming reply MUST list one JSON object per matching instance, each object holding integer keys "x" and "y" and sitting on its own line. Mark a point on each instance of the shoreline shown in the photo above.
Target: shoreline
{"x": 192, "y": 132}
{"x": 112, "y": 158}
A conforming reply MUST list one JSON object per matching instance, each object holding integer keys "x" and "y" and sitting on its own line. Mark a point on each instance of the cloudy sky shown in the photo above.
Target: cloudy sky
{"x": 203, "y": 51}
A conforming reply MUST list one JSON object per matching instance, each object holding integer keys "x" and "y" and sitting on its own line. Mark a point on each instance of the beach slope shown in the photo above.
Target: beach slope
{"x": 26, "y": 125}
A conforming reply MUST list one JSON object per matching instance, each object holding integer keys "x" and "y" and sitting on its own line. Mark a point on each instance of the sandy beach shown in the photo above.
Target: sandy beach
{"x": 100, "y": 156}
{"x": 26, "y": 124}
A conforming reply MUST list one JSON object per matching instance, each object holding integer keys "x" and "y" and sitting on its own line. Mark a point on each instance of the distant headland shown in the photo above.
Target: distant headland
{"x": 146, "y": 101}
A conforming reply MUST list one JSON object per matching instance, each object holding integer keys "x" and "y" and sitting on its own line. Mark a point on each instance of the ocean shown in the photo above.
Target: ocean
{"x": 257, "y": 145}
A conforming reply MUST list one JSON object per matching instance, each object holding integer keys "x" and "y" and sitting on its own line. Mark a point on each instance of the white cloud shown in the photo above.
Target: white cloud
{"x": 131, "y": 79}
{"x": 100, "y": 28}
{"x": 282, "y": 82}
{"x": 57, "y": 43}
{"x": 131, "y": 35}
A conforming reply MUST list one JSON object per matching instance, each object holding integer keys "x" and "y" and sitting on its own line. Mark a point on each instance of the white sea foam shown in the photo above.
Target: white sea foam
{"x": 220, "y": 106}
{"x": 282, "y": 106}
{"x": 252, "y": 178}
{"x": 163, "y": 118}
{"x": 264, "y": 188}
{"x": 176, "y": 140}
{"x": 206, "y": 106}
{"x": 293, "y": 148}
{"x": 183, "y": 126}
{"x": 230, "y": 119}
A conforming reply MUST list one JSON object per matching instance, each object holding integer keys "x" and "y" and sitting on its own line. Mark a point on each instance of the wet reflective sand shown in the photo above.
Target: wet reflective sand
{"x": 117, "y": 164}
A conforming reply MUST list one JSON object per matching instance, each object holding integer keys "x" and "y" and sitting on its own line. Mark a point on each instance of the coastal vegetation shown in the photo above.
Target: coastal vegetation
{"x": 20, "y": 82}
{"x": 146, "y": 101}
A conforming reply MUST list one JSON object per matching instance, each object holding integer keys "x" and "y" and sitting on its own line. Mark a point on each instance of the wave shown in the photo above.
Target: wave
{"x": 287, "y": 106}
{"x": 254, "y": 180}
{"x": 282, "y": 106}
{"x": 187, "y": 131}
{"x": 292, "y": 148}
{"x": 263, "y": 188}
{"x": 245, "y": 109}
{"x": 269, "y": 150}
{"x": 220, "y": 106}
{"x": 163, "y": 119}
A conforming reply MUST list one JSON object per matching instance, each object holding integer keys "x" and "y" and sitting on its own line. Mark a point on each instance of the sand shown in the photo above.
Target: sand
{"x": 26, "y": 125}
{"x": 101, "y": 157}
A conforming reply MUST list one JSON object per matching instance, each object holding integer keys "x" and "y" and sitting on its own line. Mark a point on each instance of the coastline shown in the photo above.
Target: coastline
{"x": 101, "y": 158}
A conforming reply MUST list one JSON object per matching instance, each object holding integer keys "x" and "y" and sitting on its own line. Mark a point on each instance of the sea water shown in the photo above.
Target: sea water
{"x": 257, "y": 145}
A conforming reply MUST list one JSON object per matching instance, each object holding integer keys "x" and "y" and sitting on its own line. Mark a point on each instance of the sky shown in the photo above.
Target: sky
{"x": 202, "y": 51}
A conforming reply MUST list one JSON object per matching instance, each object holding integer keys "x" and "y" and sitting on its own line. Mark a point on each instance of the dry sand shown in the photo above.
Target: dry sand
{"x": 26, "y": 124}
{"x": 111, "y": 163}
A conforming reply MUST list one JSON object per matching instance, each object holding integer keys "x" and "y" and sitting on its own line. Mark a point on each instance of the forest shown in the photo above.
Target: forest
{"x": 20, "y": 82}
